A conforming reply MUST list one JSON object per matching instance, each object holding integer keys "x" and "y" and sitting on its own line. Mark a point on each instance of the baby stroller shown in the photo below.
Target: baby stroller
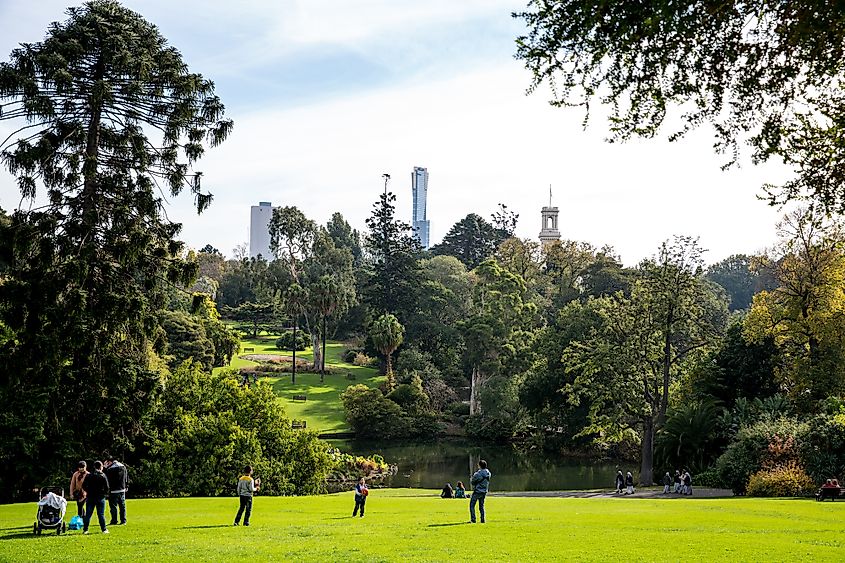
{"x": 51, "y": 511}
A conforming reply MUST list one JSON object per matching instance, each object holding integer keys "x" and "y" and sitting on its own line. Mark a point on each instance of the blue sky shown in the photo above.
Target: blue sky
{"x": 328, "y": 95}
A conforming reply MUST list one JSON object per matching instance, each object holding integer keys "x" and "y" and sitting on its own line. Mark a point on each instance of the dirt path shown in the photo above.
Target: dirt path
{"x": 640, "y": 493}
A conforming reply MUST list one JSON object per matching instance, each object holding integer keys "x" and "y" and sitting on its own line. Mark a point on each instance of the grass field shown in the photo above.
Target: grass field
{"x": 323, "y": 410}
{"x": 413, "y": 525}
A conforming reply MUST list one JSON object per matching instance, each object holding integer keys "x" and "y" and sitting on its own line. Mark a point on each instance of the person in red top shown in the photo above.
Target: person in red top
{"x": 361, "y": 492}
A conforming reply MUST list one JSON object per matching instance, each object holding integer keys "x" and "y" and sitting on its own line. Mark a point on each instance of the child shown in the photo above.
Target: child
{"x": 246, "y": 488}
{"x": 460, "y": 491}
{"x": 361, "y": 493}
{"x": 76, "y": 491}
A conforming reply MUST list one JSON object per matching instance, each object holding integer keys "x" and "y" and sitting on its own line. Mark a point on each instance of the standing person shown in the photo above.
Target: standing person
{"x": 667, "y": 483}
{"x": 96, "y": 487}
{"x": 117, "y": 476}
{"x": 460, "y": 491}
{"x": 620, "y": 481}
{"x": 361, "y": 494}
{"x": 687, "y": 483}
{"x": 677, "y": 481}
{"x": 246, "y": 488}
{"x": 77, "y": 493}
{"x": 629, "y": 482}
{"x": 480, "y": 482}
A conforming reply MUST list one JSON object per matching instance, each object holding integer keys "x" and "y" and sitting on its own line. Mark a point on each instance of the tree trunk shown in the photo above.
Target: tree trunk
{"x": 323, "y": 359}
{"x": 476, "y": 382}
{"x": 391, "y": 379}
{"x": 92, "y": 149}
{"x": 667, "y": 364}
{"x": 647, "y": 468}
{"x": 315, "y": 347}
{"x": 293, "y": 364}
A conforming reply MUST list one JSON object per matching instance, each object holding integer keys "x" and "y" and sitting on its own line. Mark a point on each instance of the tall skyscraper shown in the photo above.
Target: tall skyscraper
{"x": 259, "y": 230}
{"x": 419, "y": 219}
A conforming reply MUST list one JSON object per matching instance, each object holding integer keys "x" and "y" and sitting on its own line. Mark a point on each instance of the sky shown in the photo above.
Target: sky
{"x": 327, "y": 95}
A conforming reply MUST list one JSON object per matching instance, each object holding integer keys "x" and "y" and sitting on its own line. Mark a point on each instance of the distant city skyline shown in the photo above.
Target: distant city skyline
{"x": 325, "y": 96}
{"x": 419, "y": 201}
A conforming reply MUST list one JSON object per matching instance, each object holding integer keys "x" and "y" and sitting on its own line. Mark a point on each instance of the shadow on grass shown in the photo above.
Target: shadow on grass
{"x": 449, "y": 524}
{"x": 207, "y": 527}
{"x": 22, "y": 535}
{"x": 16, "y": 528}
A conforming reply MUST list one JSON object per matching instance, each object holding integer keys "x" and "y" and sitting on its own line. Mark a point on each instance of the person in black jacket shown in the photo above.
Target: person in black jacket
{"x": 96, "y": 487}
{"x": 116, "y": 474}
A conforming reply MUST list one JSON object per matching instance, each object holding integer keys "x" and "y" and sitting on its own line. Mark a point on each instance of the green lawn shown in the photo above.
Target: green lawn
{"x": 322, "y": 410}
{"x": 412, "y": 525}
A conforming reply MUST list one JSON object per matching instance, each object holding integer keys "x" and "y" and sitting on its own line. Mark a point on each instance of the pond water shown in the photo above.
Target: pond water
{"x": 432, "y": 465}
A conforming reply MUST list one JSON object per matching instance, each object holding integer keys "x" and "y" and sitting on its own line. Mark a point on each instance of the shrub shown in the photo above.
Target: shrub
{"x": 205, "y": 428}
{"x": 765, "y": 443}
{"x": 349, "y": 355}
{"x": 286, "y": 341}
{"x": 459, "y": 409}
{"x": 822, "y": 447}
{"x": 371, "y": 414}
{"x": 786, "y": 480}
{"x": 363, "y": 360}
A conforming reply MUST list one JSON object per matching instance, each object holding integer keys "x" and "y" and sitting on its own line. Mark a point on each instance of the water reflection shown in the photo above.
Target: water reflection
{"x": 431, "y": 465}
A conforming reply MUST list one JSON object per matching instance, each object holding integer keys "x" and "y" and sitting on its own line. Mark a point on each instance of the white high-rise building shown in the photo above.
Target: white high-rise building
{"x": 419, "y": 190}
{"x": 259, "y": 230}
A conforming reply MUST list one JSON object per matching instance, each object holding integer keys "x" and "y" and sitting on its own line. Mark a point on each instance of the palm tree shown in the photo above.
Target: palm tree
{"x": 387, "y": 333}
{"x": 293, "y": 301}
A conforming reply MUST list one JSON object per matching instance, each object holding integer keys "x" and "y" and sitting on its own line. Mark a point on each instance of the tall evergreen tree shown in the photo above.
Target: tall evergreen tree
{"x": 472, "y": 240}
{"x": 392, "y": 252}
{"x": 108, "y": 115}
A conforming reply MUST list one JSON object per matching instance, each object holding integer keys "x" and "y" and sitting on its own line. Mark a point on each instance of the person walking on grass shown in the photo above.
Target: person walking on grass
{"x": 116, "y": 474}
{"x": 246, "y": 488}
{"x": 687, "y": 482}
{"x": 361, "y": 493}
{"x": 629, "y": 482}
{"x": 620, "y": 481}
{"x": 480, "y": 483}
{"x": 678, "y": 483}
{"x": 667, "y": 483}
{"x": 96, "y": 487}
{"x": 77, "y": 493}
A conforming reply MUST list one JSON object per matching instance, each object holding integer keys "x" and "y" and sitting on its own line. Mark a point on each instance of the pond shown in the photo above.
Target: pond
{"x": 432, "y": 465}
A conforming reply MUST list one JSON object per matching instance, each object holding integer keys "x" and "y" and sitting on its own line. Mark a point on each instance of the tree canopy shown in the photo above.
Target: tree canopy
{"x": 766, "y": 73}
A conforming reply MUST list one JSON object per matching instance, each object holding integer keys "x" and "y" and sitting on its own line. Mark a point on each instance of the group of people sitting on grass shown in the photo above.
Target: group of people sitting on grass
{"x": 458, "y": 492}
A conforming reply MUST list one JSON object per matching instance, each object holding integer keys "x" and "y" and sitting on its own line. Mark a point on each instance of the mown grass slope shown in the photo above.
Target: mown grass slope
{"x": 414, "y": 525}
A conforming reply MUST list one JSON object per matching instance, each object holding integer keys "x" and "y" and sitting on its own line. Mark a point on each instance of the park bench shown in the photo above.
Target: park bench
{"x": 831, "y": 493}
{"x": 301, "y": 398}
{"x": 249, "y": 349}
{"x": 298, "y": 424}
{"x": 350, "y": 376}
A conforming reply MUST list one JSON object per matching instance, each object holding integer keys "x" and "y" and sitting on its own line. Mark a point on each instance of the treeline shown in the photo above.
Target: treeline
{"x": 671, "y": 359}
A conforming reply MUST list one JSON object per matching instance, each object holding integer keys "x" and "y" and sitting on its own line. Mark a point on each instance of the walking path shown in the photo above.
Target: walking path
{"x": 603, "y": 493}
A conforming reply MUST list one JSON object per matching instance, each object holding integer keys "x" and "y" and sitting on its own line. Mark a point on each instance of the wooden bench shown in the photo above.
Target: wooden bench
{"x": 301, "y": 398}
{"x": 351, "y": 376}
{"x": 249, "y": 349}
{"x": 298, "y": 424}
{"x": 831, "y": 493}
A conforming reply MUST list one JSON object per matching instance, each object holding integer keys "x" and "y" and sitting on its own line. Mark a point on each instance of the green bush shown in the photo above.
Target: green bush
{"x": 371, "y": 414}
{"x": 768, "y": 441}
{"x": 459, "y": 409}
{"x": 205, "y": 428}
{"x": 286, "y": 341}
{"x": 349, "y": 355}
{"x": 822, "y": 447}
{"x": 787, "y": 480}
